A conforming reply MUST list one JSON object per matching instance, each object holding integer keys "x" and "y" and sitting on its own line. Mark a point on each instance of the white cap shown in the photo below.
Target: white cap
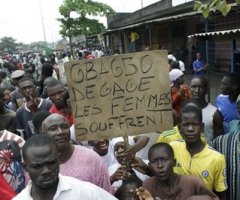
{"x": 174, "y": 74}
{"x": 17, "y": 74}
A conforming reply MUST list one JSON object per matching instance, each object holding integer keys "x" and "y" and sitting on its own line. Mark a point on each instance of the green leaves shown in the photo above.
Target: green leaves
{"x": 213, "y": 6}
{"x": 81, "y": 24}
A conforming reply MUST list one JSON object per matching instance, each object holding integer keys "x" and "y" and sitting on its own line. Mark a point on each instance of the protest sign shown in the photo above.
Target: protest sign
{"x": 128, "y": 94}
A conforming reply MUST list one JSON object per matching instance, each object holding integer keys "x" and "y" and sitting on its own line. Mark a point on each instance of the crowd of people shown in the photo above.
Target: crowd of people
{"x": 40, "y": 157}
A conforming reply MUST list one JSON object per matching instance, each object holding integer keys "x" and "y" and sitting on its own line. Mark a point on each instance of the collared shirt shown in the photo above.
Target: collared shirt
{"x": 71, "y": 189}
{"x": 208, "y": 164}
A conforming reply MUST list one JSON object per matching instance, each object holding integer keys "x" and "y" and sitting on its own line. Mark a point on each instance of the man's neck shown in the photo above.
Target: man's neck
{"x": 195, "y": 148}
{"x": 202, "y": 102}
{"x": 171, "y": 181}
{"x": 66, "y": 153}
{"x": 43, "y": 194}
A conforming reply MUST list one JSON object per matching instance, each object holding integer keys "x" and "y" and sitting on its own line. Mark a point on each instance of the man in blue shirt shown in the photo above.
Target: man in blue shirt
{"x": 199, "y": 66}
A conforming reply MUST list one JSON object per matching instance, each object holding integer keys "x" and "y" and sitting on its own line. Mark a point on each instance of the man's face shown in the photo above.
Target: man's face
{"x": 28, "y": 89}
{"x": 42, "y": 165}
{"x": 57, "y": 95}
{"x": 198, "y": 55}
{"x": 181, "y": 80}
{"x": 58, "y": 127}
{"x": 226, "y": 86}
{"x": 7, "y": 95}
{"x": 161, "y": 164}
{"x": 190, "y": 127}
{"x": 100, "y": 146}
{"x": 197, "y": 88}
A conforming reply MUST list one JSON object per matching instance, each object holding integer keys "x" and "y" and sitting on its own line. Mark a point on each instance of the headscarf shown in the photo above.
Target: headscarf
{"x": 174, "y": 74}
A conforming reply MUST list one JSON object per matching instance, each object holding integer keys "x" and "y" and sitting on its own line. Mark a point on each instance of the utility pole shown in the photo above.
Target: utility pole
{"x": 44, "y": 35}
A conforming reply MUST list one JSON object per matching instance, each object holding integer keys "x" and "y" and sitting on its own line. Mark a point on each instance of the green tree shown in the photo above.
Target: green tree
{"x": 71, "y": 27}
{"x": 212, "y": 6}
{"x": 8, "y": 44}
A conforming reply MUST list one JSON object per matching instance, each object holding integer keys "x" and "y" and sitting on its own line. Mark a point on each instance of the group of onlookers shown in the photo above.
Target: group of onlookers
{"x": 197, "y": 159}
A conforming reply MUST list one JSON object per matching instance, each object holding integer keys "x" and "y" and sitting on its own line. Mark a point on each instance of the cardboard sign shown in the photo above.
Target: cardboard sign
{"x": 120, "y": 95}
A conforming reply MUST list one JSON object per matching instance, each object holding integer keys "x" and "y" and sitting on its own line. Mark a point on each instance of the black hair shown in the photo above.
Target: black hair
{"x": 166, "y": 146}
{"x": 191, "y": 102}
{"x": 38, "y": 118}
{"x": 47, "y": 69}
{"x": 234, "y": 78}
{"x": 189, "y": 108}
{"x": 37, "y": 140}
{"x": 174, "y": 64}
{"x": 203, "y": 80}
{"x": 119, "y": 194}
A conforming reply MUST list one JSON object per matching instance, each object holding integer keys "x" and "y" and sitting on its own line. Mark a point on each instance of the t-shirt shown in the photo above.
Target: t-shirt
{"x": 86, "y": 165}
{"x": 208, "y": 164}
{"x": 234, "y": 126}
{"x": 170, "y": 135}
{"x": 24, "y": 118}
{"x": 186, "y": 187}
{"x": 197, "y": 64}
{"x": 228, "y": 110}
{"x": 68, "y": 116}
{"x": 208, "y": 113}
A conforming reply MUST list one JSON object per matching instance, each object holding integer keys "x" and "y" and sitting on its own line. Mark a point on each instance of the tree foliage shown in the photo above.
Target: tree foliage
{"x": 213, "y": 6}
{"x": 8, "y": 44}
{"x": 82, "y": 24}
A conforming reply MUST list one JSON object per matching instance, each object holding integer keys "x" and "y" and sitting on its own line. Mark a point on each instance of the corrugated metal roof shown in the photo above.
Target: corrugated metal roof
{"x": 162, "y": 19}
{"x": 215, "y": 33}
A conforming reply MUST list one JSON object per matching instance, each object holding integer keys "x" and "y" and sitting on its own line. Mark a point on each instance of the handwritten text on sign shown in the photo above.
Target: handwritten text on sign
{"x": 122, "y": 94}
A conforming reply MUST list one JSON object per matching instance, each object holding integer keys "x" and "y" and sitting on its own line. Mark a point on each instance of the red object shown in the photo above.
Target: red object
{"x": 6, "y": 192}
{"x": 68, "y": 116}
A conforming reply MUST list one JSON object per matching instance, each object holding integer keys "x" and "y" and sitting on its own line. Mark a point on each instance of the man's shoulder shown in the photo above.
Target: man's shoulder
{"x": 9, "y": 113}
{"x": 79, "y": 188}
{"x": 214, "y": 153}
{"x": 86, "y": 152}
{"x": 21, "y": 109}
{"x": 178, "y": 143}
{"x": 24, "y": 194}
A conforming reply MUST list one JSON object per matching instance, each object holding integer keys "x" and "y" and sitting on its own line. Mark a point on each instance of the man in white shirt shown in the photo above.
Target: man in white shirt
{"x": 41, "y": 162}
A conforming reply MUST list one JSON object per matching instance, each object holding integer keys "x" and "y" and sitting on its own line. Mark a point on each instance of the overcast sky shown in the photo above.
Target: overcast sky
{"x": 22, "y": 19}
